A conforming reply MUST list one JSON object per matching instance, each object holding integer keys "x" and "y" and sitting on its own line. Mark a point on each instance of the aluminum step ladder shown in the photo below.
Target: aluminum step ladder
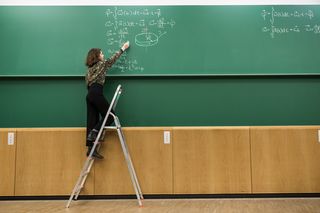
{"x": 89, "y": 162}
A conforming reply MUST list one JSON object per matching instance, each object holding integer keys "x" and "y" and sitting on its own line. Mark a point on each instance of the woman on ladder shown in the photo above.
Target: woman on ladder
{"x": 96, "y": 102}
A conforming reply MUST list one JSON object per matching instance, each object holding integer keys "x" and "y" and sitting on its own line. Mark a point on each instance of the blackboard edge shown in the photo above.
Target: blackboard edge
{"x": 169, "y": 75}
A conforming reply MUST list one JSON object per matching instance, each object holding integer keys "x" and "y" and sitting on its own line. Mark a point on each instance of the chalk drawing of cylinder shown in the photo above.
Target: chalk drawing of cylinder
{"x": 146, "y": 39}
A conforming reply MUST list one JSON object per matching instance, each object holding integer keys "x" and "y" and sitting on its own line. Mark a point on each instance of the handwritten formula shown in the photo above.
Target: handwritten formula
{"x": 277, "y": 22}
{"x": 145, "y": 27}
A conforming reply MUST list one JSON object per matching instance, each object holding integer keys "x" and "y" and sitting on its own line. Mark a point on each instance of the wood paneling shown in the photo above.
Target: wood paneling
{"x": 8, "y": 161}
{"x": 285, "y": 159}
{"x": 49, "y": 161}
{"x": 208, "y": 160}
{"x": 199, "y": 160}
{"x": 151, "y": 158}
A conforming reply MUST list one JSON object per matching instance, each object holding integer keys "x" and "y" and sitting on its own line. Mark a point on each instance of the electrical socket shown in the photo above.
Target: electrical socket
{"x": 166, "y": 137}
{"x": 10, "y": 138}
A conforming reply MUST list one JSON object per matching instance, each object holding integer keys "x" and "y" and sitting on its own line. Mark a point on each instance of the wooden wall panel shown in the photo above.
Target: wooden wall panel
{"x": 49, "y": 161}
{"x": 285, "y": 159}
{"x": 199, "y": 160}
{"x": 151, "y": 158}
{"x": 209, "y": 160}
{"x": 8, "y": 161}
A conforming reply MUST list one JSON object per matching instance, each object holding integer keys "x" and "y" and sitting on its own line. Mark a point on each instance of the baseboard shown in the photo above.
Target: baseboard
{"x": 167, "y": 196}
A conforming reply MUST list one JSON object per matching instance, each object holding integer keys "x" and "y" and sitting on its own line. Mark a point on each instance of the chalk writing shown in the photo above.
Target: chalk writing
{"x": 279, "y": 26}
{"x": 285, "y": 14}
{"x": 145, "y": 27}
{"x": 124, "y": 64}
{"x": 116, "y": 12}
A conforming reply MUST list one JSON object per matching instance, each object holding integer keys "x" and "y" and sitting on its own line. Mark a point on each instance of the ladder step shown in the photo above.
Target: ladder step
{"x": 85, "y": 173}
{"x": 91, "y": 158}
{"x": 110, "y": 127}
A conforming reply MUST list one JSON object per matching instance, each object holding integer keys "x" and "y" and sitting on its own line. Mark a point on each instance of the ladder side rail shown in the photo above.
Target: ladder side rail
{"x": 128, "y": 165}
{"x": 123, "y": 141}
{"x": 131, "y": 164}
{"x": 76, "y": 187}
{"x": 84, "y": 178}
{"x": 73, "y": 192}
{"x": 132, "y": 173}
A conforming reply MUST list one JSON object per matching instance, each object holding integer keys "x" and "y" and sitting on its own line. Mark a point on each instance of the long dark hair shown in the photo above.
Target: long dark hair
{"x": 93, "y": 57}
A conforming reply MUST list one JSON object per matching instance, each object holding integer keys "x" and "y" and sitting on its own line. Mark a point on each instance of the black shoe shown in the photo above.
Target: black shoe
{"x": 93, "y": 135}
{"x": 95, "y": 154}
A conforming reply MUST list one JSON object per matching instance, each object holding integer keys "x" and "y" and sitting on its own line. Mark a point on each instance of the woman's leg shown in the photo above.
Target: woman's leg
{"x": 92, "y": 120}
{"x": 102, "y": 105}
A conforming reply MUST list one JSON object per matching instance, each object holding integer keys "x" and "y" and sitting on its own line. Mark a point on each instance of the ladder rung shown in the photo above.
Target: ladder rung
{"x": 110, "y": 127}
{"x": 91, "y": 158}
{"x": 85, "y": 173}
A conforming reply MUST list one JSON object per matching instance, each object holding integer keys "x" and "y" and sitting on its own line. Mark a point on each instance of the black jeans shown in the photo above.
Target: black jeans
{"x": 97, "y": 106}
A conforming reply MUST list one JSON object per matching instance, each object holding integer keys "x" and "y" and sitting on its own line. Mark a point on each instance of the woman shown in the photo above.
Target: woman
{"x": 96, "y": 103}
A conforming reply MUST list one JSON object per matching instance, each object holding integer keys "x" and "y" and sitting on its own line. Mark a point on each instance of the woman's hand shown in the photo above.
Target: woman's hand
{"x": 125, "y": 46}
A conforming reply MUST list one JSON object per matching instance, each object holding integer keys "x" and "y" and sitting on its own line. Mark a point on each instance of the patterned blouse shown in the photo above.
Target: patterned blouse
{"x": 97, "y": 73}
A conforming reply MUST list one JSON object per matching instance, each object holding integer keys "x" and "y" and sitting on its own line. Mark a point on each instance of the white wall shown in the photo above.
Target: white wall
{"x": 157, "y": 2}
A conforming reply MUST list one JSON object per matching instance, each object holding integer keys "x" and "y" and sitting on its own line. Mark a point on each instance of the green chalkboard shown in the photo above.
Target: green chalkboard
{"x": 165, "y": 101}
{"x": 165, "y": 40}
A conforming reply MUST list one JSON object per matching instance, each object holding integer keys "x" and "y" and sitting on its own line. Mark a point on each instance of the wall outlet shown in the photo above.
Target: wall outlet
{"x": 10, "y": 138}
{"x": 319, "y": 135}
{"x": 166, "y": 137}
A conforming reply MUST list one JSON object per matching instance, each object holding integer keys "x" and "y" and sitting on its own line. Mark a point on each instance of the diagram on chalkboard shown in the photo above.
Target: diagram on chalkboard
{"x": 144, "y": 26}
{"x": 146, "y": 39}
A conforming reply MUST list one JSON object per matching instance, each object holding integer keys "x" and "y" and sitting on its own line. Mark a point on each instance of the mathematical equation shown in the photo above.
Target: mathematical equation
{"x": 124, "y": 64}
{"x": 145, "y": 27}
{"x": 115, "y": 12}
{"x": 277, "y": 25}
